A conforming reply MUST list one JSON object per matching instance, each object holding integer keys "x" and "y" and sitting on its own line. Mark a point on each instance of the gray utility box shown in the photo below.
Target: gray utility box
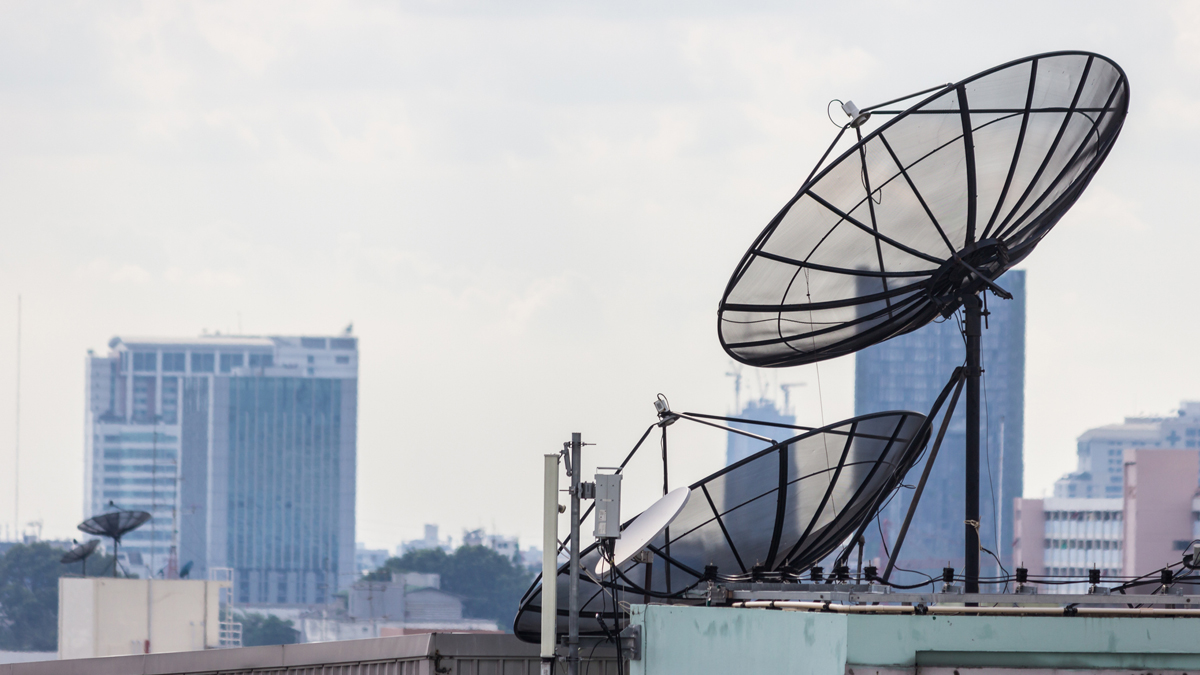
{"x": 608, "y": 506}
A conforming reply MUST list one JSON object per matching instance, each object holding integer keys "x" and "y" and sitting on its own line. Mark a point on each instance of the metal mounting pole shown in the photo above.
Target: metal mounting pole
{"x": 666, "y": 530}
{"x": 573, "y": 592}
{"x": 971, "y": 493}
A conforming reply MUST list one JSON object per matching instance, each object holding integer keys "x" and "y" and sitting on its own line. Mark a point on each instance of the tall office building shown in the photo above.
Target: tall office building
{"x": 739, "y": 447}
{"x": 908, "y": 373}
{"x": 243, "y": 450}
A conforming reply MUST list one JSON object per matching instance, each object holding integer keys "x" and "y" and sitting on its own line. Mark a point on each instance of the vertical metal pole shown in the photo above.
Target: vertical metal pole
{"x": 549, "y": 562}
{"x": 573, "y": 606}
{"x": 1003, "y": 503}
{"x": 17, "y": 438}
{"x": 667, "y": 530}
{"x": 971, "y": 493}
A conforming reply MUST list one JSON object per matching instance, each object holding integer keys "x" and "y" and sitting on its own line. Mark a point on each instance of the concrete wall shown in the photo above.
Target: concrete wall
{"x": 694, "y": 640}
{"x": 408, "y": 655}
{"x": 697, "y": 640}
{"x": 100, "y": 616}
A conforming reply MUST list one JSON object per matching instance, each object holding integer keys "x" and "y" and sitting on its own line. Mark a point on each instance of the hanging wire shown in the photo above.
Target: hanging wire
{"x": 820, "y": 391}
{"x": 987, "y": 437}
{"x": 839, "y": 102}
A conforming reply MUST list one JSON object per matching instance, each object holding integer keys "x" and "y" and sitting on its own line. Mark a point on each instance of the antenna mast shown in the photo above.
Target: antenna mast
{"x": 17, "y": 442}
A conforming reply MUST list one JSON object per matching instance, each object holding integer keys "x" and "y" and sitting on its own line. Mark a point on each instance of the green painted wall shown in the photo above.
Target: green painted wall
{"x": 691, "y": 640}
{"x": 1024, "y": 641}
{"x": 722, "y": 640}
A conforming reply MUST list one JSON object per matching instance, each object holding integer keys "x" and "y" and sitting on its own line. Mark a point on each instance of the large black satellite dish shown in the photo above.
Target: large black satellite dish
{"x": 924, "y": 211}
{"x": 922, "y": 215}
{"x": 778, "y": 511}
{"x": 115, "y": 525}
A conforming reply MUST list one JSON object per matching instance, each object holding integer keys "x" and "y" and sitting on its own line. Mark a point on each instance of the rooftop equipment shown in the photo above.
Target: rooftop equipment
{"x": 80, "y": 554}
{"x": 921, "y": 216}
{"x": 115, "y": 525}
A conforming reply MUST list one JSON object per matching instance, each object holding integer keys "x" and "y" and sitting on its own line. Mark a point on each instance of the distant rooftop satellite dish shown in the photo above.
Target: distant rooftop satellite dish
{"x": 928, "y": 208}
{"x": 645, "y": 527}
{"x": 115, "y": 525}
{"x": 80, "y": 552}
{"x": 780, "y": 510}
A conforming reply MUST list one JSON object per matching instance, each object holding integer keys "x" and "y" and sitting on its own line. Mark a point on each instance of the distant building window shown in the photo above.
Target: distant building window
{"x": 261, "y": 360}
{"x": 145, "y": 362}
{"x": 310, "y": 371}
{"x": 170, "y": 400}
{"x": 230, "y": 361}
{"x": 173, "y": 362}
{"x": 310, "y": 359}
{"x": 143, "y": 399}
{"x": 202, "y": 363}
{"x": 342, "y": 343}
{"x": 312, "y": 343}
{"x": 343, "y": 359}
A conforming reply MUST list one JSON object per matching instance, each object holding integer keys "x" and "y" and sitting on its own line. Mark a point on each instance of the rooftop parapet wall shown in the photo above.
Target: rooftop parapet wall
{"x": 722, "y": 640}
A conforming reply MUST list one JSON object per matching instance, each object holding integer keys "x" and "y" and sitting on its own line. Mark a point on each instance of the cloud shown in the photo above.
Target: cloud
{"x": 211, "y": 278}
{"x": 131, "y": 273}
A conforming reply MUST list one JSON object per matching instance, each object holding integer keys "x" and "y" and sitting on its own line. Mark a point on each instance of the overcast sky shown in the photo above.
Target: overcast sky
{"x": 529, "y": 211}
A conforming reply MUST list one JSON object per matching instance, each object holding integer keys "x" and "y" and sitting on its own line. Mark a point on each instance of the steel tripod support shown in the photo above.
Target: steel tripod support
{"x": 956, "y": 382}
{"x": 973, "y": 329}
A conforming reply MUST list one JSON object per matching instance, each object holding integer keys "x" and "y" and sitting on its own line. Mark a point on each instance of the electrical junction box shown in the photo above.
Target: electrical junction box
{"x": 608, "y": 506}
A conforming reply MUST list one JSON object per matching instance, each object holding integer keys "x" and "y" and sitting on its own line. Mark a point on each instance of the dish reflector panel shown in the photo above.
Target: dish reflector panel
{"x": 646, "y": 526}
{"x": 900, "y": 228}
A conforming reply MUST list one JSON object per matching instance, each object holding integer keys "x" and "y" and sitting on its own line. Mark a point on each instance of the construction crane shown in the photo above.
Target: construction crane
{"x": 787, "y": 392}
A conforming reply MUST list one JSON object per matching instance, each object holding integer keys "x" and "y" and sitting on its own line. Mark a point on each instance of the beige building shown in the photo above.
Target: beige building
{"x": 408, "y": 603}
{"x": 103, "y": 616}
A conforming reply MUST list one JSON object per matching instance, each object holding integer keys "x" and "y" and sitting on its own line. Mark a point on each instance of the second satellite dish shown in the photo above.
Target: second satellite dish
{"x": 782, "y": 510}
{"x": 648, "y": 525}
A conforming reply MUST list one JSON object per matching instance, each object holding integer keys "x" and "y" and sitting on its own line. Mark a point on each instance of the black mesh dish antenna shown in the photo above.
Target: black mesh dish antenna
{"x": 919, "y": 217}
{"x": 771, "y": 515}
{"x": 80, "y": 554}
{"x": 924, "y": 211}
{"x": 115, "y": 525}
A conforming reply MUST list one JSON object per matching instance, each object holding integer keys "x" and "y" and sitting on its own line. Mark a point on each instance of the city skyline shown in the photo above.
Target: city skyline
{"x": 531, "y": 212}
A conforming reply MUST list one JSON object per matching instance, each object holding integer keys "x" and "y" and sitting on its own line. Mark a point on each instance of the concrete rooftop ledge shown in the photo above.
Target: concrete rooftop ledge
{"x": 693, "y": 640}
{"x": 448, "y": 647}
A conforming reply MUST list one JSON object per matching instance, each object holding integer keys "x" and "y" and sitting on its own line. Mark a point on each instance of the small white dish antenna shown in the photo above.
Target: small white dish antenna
{"x": 646, "y": 527}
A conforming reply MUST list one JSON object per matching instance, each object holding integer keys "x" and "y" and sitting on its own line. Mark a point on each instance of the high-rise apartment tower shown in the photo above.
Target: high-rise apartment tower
{"x": 242, "y": 448}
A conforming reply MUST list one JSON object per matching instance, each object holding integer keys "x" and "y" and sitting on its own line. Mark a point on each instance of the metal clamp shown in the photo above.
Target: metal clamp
{"x": 631, "y": 643}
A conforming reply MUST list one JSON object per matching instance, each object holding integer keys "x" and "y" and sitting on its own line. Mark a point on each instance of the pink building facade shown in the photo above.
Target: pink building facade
{"x": 1146, "y": 529}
